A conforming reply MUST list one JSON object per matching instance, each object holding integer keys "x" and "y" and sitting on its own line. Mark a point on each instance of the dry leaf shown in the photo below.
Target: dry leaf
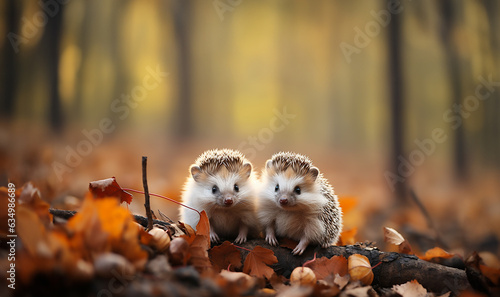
{"x": 347, "y": 203}
{"x": 493, "y": 274}
{"x": 109, "y": 188}
{"x": 203, "y": 226}
{"x": 31, "y": 197}
{"x": 436, "y": 253}
{"x": 235, "y": 283}
{"x": 198, "y": 254}
{"x": 410, "y": 289}
{"x": 257, "y": 260}
{"x": 224, "y": 255}
{"x": 104, "y": 226}
{"x": 348, "y": 236}
{"x": 360, "y": 269}
{"x": 326, "y": 269}
{"x": 393, "y": 237}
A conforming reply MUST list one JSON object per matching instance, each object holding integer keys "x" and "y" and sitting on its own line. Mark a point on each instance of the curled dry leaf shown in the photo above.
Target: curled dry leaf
{"x": 393, "y": 237}
{"x": 161, "y": 239}
{"x": 109, "y": 188}
{"x": 303, "y": 276}
{"x": 360, "y": 269}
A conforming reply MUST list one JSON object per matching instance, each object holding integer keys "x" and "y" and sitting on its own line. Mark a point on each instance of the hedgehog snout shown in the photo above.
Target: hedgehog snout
{"x": 283, "y": 200}
{"x": 228, "y": 200}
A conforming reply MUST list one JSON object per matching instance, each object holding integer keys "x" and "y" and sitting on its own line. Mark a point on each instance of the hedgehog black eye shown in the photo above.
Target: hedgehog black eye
{"x": 236, "y": 188}
{"x": 277, "y": 188}
{"x": 215, "y": 189}
{"x": 297, "y": 190}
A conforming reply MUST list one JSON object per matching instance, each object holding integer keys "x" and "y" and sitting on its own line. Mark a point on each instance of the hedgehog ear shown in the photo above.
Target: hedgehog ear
{"x": 246, "y": 170}
{"x": 313, "y": 173}
{"x": 269, "y": 164}
{"x": 195, "y": 172}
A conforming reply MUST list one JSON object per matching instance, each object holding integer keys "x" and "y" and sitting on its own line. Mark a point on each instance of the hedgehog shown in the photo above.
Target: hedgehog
{"x": 297, "y": 202}
{"x": 221, "y": 183}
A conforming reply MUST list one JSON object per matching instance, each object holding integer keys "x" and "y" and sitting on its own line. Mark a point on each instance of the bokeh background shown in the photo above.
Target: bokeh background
{"x": 88, "y": 87}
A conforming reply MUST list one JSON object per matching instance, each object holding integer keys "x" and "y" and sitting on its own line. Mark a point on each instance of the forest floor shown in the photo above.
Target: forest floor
{"x": 458, "y": 217}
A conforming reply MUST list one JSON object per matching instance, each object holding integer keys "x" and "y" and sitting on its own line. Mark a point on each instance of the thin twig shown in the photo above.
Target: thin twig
{"x": 146, "y": 193}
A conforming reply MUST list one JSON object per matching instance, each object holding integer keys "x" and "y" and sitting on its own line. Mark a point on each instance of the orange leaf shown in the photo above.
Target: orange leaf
{"x": 326, "y": 269}
{"x": 348, "y": 236}
{"x": 198, "y": 255}
{"x": 224, "y": 255}
{"x": 104, "y": 226}
{"x": 109, "y": 188}
{"x": 189, "y": 233}
{"x": 257, "y": 261}
{"x": 360, "y": 269}
{"x": 347, "y": 203}
{"x": 203, "y": 226}
{"x": 491, "y": 273}
{"x": 435, "y": 253}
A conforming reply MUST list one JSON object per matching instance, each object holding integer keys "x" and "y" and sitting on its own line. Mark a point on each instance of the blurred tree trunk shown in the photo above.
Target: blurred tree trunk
{"x": 181, "y": 10}
{"x": 492, "y": 105}
{"x": 51, "y": 40}
{"x": 9, "y": 71}
{"x": 453, "y": 67}
{"x": 396, "y": 96}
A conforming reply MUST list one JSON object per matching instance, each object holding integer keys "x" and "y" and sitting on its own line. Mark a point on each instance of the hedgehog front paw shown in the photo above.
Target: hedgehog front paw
{"x": 240, "y": 239}
{"x": 271, "y": 239}
{"x": 214, "y": 237}
{"x": 301, "y": 247}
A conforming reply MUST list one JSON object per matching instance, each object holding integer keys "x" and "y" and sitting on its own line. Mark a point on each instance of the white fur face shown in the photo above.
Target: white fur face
{"x": 291, "y": 191}
{"x": 222, "y": 191}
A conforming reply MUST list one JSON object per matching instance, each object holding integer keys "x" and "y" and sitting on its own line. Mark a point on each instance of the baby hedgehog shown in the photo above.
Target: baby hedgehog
{"x": 297, "y": 202}
{"x": 222, "y": 184}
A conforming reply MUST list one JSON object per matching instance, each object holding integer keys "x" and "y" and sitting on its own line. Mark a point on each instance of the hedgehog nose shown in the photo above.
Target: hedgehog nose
{"x": 228, "y": 201}
{"x": 283, "y": 201}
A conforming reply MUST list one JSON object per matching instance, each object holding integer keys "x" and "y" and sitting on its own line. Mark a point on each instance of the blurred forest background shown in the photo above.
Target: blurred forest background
{"x": 361, "y": 87}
